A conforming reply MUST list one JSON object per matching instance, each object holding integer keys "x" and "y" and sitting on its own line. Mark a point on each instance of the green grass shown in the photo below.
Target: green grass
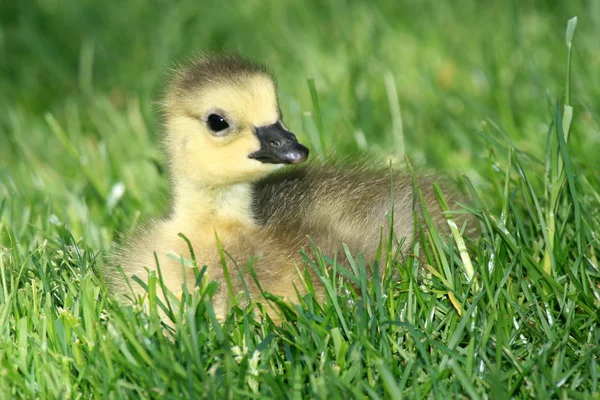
{"x": 458, "y": 87}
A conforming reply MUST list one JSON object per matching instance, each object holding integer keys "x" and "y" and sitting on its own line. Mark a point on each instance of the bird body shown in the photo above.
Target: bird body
{"x": 241, "y": 239}
{"x": 354, "y": 204}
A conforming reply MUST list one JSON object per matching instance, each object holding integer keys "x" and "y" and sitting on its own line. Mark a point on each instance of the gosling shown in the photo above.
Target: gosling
{"x": 224, "y": 139}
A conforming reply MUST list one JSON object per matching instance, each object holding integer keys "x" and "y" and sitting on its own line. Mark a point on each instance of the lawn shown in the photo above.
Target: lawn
{"x": 489, "y": 93}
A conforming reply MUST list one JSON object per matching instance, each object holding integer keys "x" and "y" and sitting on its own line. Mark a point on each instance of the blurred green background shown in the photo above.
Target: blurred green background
{"x": 78, "y": 80}
{"x": 451, "y": 84}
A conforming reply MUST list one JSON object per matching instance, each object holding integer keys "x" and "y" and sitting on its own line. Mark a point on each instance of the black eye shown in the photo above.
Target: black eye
{"x": 216, "y": 123}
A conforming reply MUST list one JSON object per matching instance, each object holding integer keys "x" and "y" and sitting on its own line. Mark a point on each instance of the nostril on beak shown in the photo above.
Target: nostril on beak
{"x": 300, "y": 154}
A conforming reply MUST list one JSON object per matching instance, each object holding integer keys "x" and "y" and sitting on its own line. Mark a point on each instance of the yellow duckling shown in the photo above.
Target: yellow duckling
{"x": 224, "y": 139}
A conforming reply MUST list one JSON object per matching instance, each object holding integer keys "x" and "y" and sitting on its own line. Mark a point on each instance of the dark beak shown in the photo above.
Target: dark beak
{"x": 278, "y": 146}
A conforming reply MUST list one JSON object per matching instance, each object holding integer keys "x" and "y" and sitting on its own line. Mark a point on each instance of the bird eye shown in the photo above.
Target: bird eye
{"x": 216, "y": 123}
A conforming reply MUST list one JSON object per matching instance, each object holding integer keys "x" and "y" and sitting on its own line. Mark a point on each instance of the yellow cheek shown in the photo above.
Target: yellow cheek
{"x": 226, "y": 163}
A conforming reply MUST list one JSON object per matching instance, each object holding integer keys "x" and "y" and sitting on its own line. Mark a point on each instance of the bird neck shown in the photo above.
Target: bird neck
{"x": 213, "y": 204}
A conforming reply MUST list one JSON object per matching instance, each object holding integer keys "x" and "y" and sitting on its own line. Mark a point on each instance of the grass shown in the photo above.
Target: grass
{"x": 460, "y": 87}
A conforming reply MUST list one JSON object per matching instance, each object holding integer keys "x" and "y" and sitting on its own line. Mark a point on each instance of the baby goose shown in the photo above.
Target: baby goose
{"x": 224, "y": 138}
{"x": 223, "y": 131}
